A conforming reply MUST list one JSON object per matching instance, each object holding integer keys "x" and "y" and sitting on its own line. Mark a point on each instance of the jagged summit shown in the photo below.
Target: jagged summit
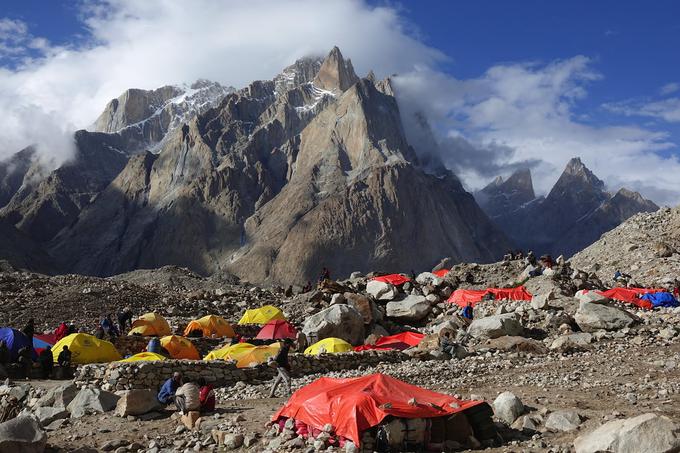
{"x": 503, "y": 196}
{"x": 336, "y": 73}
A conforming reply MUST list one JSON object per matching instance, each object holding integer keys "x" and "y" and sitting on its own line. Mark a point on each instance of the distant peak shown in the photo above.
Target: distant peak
{"x": 577, "y": 171}
{"x": 336, "y": 73}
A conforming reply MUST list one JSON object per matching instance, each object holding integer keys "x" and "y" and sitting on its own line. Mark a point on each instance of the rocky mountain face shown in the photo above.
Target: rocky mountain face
{"x": 285, "y": 176}
{"x": 573, "y": 215}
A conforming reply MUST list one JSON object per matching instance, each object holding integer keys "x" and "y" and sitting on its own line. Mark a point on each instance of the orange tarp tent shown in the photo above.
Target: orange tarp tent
{"x": 211, "y": 325}
{"x": 441, "y": 273}
{"x": 394, "y": 279}
{"x": 631, "y": 295}
{"x": 462, "y": 297}
{"x": 353, "y": 405}
{"x": 399, "y": 341}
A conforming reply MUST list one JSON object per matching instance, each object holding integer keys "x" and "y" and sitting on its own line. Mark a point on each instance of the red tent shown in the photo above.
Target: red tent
{"x": 398, "y": 341}
{"x": 353, "y": 405}
{"x": 461, "y": 297}
{"x": 277, "y": 329}
{"x": 631, "y": 295}
{"x": 441, "y": 272}
{"x": 394, "y": 279}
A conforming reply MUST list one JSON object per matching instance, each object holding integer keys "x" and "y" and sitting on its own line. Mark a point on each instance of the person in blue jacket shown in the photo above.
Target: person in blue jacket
{"x": 154, "y": 345}
{"x": 467, "y": 312}
{"x": 167, "y": 392}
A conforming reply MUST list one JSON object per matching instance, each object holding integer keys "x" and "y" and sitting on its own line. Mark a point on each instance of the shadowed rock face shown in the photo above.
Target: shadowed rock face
{"x": 285, "y": 176}
{"x": 576, "y": 212}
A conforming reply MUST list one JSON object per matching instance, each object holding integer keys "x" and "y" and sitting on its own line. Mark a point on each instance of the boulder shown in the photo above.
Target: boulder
{"x": 136, "y": 402}
{"x": 47, "y": 415}
{"x": 340, "y": 321}
{"x": 540, "y": 301}
{"x": 337, "y": 298}
{"x": 496, "y": 326}
{"x": 22, "y": 435}
{"x": 595, "y": 316}
{"x": 412, "y": 308}
{"x": 586, "y": 295}
{"x": 92, "y": 401}
{"x": 365, "y": 306}
{"x": 59, "y": 396}
{"x": 381, "y": 290}
{"x": 428, "y": 278}
{"x": 649, "y": 433}
{"x": 507, "y": 407}
{"x": 190, "y": 418}
{"x": 519, "y": 344}
{"x": 572, "y": 342}
{"x": 563, "y": 420}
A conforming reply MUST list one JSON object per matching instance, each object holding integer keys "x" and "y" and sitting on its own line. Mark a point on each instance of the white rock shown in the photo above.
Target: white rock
{"x": 595, "y": 316}
{"x": 649, "y": 433}
{"x": 22, "y": 434}
{"x": 507, "y": 407}
{"x": 381, "y": 290}
{"x": 496, "y": 326}
{"x": 563, "y": 420}
{"x": 412, "y": 308}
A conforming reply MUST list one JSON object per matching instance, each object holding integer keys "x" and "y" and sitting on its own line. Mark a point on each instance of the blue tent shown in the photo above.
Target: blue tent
{"x": 661, "y": 299}
{"x": 15, "y": 340}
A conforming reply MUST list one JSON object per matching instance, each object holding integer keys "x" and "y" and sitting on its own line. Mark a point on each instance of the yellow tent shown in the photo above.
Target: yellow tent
{"x": 262, "y": 315}
{"x": 229, "y": 352}
{"x": 257, "y": 355}
{"x": 144, "y": 357}
{"x": 332, "y": 345}
{"x": 180, "y": 348}
{"x": 211, "y": 325}
{"x": 86, "y": 349}
{"x": 151, "y": 325}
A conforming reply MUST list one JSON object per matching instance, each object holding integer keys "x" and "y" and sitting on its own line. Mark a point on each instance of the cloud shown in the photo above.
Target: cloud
{"x": 525, "y": 114}
{"x": 664, "y": 109}
{"x": 152, "y": 43}
{"x": 669, "y": 88}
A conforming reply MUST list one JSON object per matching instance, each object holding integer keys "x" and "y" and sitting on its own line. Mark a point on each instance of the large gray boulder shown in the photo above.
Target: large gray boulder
{"x": 507, "y": 407}
{"x": 597, "y": 316}
{"x": 586, "y": 295}
{"x": 339, "y": 321}
{"x": 412, "y": 308}
{"x": 22, "y": 435}
{"x": 136, "y": 402}
{"x": 92, "y": 401}
{"x": 572, "y": 342}
{"x": 496, "y": 326}
{"x": 60, "y": 396}
{"x": 381, "y": 290}
{"x": 365, "y": 306}
{"x": 563, "y": 420}
{"x": 47, "y": 415}
{"x": 649, "y": 433}
{"x": 428, "y": 278}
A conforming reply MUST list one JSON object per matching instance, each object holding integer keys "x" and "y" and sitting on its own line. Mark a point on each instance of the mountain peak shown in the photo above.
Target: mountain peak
{"x": 521, "y": 181}
{"x": 336, "y": 73}
{"x": 576, "y": 176}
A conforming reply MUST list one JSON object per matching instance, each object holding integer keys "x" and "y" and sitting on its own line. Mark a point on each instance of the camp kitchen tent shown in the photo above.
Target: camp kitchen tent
{"x": 462, "y": 297}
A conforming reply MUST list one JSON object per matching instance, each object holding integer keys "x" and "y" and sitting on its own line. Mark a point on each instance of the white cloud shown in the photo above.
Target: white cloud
{"x": 669, "y": 88}
{"x": 664, "y": 109}
{"x": 524, "y": 114}
{"x": 150, "y": 43}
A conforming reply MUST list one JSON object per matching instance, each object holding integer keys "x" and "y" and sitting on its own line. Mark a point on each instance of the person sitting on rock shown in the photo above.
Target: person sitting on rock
{"x": 188, "y": 397}
{"x": 25, "y": 361}
{"x": 154, "y": 345}
{"x": 46, "y": 361}
{"x": 167, "y": 393}
{"x": 282, "y": 365}
{"x": 446, "y": 343}
{"x": 325, "y": 274}
{"x": 124, "y": 319}
{"x": 64, "y": 358}
{"x": 206, "y": 396}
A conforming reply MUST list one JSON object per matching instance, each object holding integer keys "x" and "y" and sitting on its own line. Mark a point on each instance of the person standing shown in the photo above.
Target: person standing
{"x": 46, "y": 361}
{"x": 124, "y": 319}
{"x": 29, "y": 330}
{"x": 282, "y": 365}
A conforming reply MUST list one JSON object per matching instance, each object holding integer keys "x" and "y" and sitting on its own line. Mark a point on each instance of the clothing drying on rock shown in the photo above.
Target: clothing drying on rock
{"x": 661, "y": 299}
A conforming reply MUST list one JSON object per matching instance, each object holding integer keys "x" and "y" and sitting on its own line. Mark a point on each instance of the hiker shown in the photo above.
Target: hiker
{"x": 25, "y": 361}
{"x": 548, "y": 262}
{"x": 531, "y": 258}
{"x": 154, "y": 345}
{"x": 124, "y": 319}
{"x": 307, "y": 288}
{"x": 325, "y": 274}
{"x": 206, "y": 396}
{"x": 301, "y": 341}
{"x": 187, "y": 397}
{"x": 282, "y": 365}
{"x": 29, "y": 330}
{"x": 167, "y": 393}
{"x": 109, "y": 327}
{"x": 64, "y": 358}
{"x": 46, "y": 361}
{"x": 61, "y": 331}
{"x": 467, "y": 312}
{"x": 446, "y": 343}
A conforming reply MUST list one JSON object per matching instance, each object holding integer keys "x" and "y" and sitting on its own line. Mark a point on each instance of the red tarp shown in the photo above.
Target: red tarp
{"x": 394, "y": 279}
{"x": 631, "y": 295}
{"x": 441, "y": 272}
{"x": 353, "y": 405}
{"x": 461, "y": 297}
{"x": 399, "y": 341}
{"x": 277, "y": 330}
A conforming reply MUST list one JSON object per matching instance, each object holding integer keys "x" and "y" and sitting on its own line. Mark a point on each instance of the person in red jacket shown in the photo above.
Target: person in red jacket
{"x": 206, "y": 396}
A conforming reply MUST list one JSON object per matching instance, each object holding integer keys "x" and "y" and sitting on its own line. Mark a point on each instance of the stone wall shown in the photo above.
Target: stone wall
{"x": 139, "y": 375}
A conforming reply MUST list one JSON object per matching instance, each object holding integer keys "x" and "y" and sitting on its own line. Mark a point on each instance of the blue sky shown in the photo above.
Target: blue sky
{"x": 504, "y": 83}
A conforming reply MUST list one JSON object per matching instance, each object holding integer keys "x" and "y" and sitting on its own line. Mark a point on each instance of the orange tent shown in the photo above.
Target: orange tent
{"x": 354, "y": 405}
{"x": 461, "y": 297}
{"x": 180, "y": 347}
{"x": 211, "y": 325}
{"x": 394, "y": 279}
{"x": 398, "y": 341}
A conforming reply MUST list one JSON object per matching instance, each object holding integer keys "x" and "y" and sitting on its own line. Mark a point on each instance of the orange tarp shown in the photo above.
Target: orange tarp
{"x": 394, "y": 279}
{"x": 353, "y": 405}
{"x": 461, "y": 297}
{"x": 399, "y": 341}
{"x": 441, "y": 272}
{"x": 631, "y": 295}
